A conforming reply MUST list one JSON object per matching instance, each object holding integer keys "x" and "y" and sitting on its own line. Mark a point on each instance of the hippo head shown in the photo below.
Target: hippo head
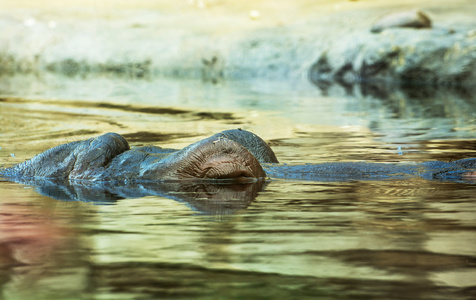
{"x": 232, "y": 155}
{"x": 211, "y": 158}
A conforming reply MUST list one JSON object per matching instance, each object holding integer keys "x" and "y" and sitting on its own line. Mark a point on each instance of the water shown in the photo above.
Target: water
{"x": 393, "y": 239}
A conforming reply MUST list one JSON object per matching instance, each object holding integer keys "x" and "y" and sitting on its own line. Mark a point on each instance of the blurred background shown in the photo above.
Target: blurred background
{"x": 170, "y": 73}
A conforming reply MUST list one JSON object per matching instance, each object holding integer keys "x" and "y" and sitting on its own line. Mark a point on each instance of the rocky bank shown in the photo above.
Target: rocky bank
{"x": 326, "y": 41}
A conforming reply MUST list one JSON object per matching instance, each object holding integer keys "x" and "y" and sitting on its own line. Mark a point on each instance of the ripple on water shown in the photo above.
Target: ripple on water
{"x": 392, "y": 239}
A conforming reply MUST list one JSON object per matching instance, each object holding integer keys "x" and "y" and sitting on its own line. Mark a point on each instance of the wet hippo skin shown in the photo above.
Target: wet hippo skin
{"x": 109, "y": 158}
{"x": 236, "y": 155}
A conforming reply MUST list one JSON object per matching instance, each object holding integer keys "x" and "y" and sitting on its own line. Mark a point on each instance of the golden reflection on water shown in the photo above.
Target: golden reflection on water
{"x": 41, "y": 249}
{"x": 411, "y": 238}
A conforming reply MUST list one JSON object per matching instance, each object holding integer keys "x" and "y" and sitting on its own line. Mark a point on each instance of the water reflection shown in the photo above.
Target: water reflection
{"x": 216, "y": 198}
{"x": 408, "y": 112}
{"x": 411, "y": 239}
{"x": 391, "y": 239}
{"x": 304, "y": 240}
{"x": 41, "y": 255}
{"x": 396, "y": 114}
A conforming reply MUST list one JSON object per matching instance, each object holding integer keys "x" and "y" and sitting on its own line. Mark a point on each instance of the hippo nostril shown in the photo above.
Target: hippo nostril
{"x": 227, "y": 170}
{"x": 244, "y": 174}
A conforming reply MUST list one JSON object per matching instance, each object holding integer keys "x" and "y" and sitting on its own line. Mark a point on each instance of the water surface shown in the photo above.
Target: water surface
{"x": 392, "y": 239}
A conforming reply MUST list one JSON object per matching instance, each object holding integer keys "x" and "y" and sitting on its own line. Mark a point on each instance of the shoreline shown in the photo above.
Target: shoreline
{"x": 218, "y": 42}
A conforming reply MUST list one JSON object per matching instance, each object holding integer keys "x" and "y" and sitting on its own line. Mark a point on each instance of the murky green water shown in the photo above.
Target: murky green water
{"x": 395, "y": 239}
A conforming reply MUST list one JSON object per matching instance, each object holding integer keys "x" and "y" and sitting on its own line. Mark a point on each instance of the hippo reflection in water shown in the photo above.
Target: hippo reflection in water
{"x": 105, "y": 165}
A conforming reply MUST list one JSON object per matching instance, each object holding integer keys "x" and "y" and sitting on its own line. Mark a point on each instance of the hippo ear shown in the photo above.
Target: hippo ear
{"x": 259, "y": 148}
{"x": 93, "y": 156}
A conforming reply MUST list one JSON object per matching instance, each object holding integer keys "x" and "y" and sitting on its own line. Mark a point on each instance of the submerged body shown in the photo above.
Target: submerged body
{"x": 236, "y": 155}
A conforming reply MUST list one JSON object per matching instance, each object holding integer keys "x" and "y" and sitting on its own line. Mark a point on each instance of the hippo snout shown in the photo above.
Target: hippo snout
{"x": 211, "y": 158}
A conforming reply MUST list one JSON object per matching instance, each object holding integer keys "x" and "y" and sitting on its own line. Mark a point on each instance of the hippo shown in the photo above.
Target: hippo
{"x": 233, "y": 154}
{"x": 215, "y": 176}
{"x": 237, "y": 156}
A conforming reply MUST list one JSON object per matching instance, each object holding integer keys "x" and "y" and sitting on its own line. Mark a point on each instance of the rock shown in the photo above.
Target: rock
{"x": 410, "y": 19}
{"x": 399, "y": 57}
